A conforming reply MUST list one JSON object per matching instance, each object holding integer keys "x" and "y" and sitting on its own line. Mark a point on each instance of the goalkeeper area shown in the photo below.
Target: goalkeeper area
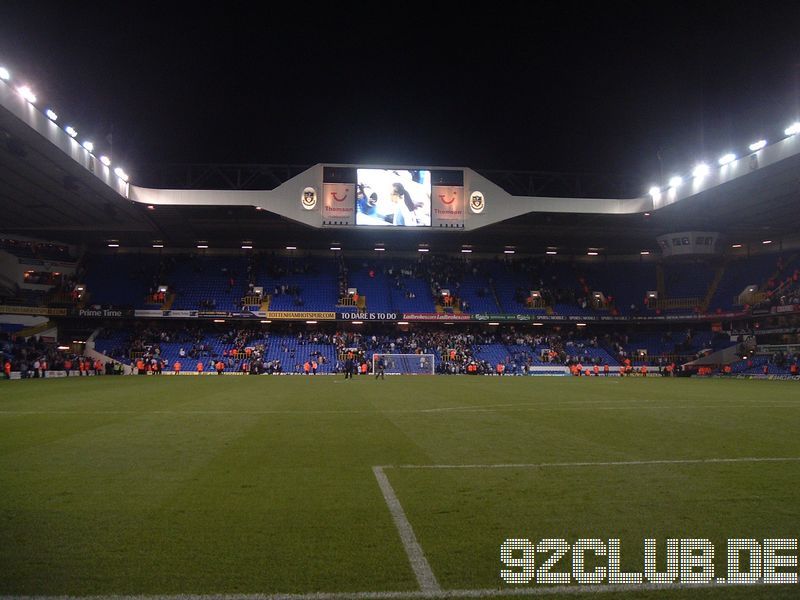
{"x": 405, "y": 364}
{"x": 332, "y": 489}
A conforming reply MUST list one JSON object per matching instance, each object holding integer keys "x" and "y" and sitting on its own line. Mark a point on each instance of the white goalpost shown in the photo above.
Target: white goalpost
{"x": 405, "y": 364}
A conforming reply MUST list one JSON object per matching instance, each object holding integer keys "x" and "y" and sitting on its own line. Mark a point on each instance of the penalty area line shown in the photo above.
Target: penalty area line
{"x": 621, "y": 463}
{"x": 422, "y": 569}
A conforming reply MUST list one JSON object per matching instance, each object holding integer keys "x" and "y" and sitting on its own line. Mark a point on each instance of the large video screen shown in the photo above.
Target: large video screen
{"x": 393, "y": 197}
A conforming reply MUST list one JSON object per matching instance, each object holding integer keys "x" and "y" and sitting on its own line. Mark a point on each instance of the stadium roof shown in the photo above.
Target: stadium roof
{"x": 44, "y": 196}
{"x": 46, "y": 193}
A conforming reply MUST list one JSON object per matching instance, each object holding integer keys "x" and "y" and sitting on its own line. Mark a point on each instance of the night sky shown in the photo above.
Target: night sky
{"x": 572, "y": 87}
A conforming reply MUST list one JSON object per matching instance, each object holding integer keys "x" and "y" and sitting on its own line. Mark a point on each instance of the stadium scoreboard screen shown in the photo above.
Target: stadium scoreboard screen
{"x": 392, "y": 197}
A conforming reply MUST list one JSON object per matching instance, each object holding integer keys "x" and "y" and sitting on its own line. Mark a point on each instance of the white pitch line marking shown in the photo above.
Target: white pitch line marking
{"x": 621, "y": 463}
{"x": 425, "y": 577}
{"x": 565, "y": 590}
{"x": 378, "y": 411}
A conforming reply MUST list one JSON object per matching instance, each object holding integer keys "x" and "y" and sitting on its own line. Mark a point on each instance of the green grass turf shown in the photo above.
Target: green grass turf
{"x": 173, "y": 485}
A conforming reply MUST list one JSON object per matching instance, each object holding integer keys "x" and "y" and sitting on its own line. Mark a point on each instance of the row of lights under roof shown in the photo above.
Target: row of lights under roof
{"x": 312, "y": 322}
{"x": 267, "y": 321}
{"x": 551, "y": 251}
{"x": 764, "y": 242}
{"x": 702, "y": 170}
{"x": 27, "y": 94}
{"x": 248, "y": 245}
{"x": 202, "y": 245}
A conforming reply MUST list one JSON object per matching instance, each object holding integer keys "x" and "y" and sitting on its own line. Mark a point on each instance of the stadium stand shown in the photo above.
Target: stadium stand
{"x": 303, "y": 283}
{"x": 316, "y": 283}
{"x": 122, "y": 279}
{"x": 217, "y": 283}
{"x": 453, "y": 351}
{"x": 396, "y": 284}
{"x": 372, "y": 283}
{"x": 739, "y": 274}
{"x": 36, "y": 250}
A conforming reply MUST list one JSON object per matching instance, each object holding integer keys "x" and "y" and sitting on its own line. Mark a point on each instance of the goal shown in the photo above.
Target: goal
{"x": 405, "y": 364}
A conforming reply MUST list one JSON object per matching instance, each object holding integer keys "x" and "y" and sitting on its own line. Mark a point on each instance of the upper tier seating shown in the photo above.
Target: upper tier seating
{"x": 398, "y": 285}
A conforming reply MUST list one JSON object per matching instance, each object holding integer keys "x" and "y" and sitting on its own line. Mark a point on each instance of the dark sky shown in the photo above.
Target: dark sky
{"x": 575, "y": 87}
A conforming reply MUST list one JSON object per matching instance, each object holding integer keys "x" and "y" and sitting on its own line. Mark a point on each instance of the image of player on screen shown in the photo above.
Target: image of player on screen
{"x": 393, "y": 197}
{"x": 404, "y": 206}
{"x": 366, "y": 204}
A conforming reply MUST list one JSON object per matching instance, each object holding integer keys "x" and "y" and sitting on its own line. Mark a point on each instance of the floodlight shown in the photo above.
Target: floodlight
{"x": 700, "y": 171}
{"x": 27, "y": 93}
{"x": 793, "y": 129}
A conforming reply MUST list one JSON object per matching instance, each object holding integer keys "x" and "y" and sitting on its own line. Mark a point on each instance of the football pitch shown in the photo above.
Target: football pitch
{"x": 408, "y": 487}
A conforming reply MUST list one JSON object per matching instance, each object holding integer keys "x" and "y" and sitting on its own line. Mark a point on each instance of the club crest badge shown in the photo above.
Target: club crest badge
{"x": 477, "y": 202}
{"x": 309, "y": 199}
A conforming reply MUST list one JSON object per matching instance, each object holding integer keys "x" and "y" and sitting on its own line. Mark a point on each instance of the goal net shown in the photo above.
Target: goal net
{"x": 405, "y": 364}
